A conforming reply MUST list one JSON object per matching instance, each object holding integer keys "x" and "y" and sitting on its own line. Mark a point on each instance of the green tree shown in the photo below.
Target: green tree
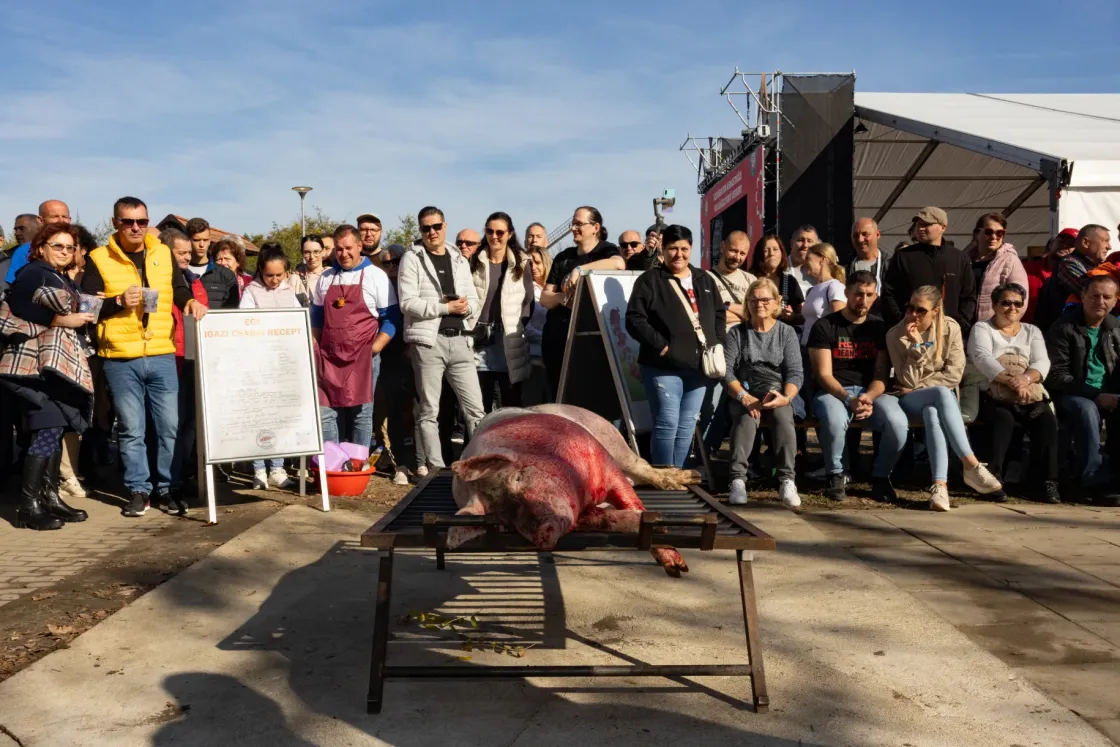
{"x": 288, "y": 235}
{"x": 405, "y": 234}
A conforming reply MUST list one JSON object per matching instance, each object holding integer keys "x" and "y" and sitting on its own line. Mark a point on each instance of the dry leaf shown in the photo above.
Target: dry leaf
{"x": 59, "y": 631}
{"x": 43, "y": 595}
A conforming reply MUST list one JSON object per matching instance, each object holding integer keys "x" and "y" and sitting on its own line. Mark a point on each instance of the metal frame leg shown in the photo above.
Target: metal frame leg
{"x": 380, "y": 633}
{"x": 441, "y": 559}
{"x": 750, "y": 621}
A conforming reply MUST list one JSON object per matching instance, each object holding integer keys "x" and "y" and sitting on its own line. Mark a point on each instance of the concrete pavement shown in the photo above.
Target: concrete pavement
{"x": 266, "y": 642}
{"x": 1038, "y": 586}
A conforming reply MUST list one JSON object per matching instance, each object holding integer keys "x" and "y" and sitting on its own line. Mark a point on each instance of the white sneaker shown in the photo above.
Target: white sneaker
{"x": 738, "y": 494}
{"x": 72, "y": 488}
{"x": 787, "y": 492}
{"x": 422, "y": 470}
{"x": 260, "y": 480}
{"x": 400, "y": 478}
{"x": 938, "y": 497}
{"x": 278, "y": 478}
{"x": 981, "y": 480}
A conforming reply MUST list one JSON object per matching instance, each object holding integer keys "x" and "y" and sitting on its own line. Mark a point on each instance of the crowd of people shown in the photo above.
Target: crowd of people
{"x": 415, "y": 344}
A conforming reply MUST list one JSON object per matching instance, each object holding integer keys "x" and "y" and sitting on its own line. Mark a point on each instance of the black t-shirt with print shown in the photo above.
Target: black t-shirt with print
{"x": 557, "y": 320}
{"x": 445, "y": 275}
{"x": 854, "y": 347}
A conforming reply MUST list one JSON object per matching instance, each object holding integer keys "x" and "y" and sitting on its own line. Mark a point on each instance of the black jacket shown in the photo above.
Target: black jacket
{"x": 1067, "y": 343}
{"x": 221, "y": 287}
{"x": 945, "y": 267}
{"x": 655, "y": 317}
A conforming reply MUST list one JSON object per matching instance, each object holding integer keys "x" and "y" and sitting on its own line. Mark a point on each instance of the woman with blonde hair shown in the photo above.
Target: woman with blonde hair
{"x": 764, "y": 374}
{"x": 827, "y": 294}
{"x": 927, "y": 353}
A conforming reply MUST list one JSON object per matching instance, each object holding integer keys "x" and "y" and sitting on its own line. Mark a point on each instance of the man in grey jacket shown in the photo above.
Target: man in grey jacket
{"x": 440, "y": 306}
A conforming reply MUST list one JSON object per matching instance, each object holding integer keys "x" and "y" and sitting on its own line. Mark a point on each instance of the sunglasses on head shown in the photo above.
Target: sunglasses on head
{"x": 629, "y": 244}
{"x": 999, "y": 233}
{"x": 916, "y": 310}
{"x": 130, "y": 222}
{"x": 1007, "y": 304}
{"x": 434, "y": 227}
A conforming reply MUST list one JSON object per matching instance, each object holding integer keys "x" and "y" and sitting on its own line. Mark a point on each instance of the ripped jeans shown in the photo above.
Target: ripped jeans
{"x": 675, "y": 398}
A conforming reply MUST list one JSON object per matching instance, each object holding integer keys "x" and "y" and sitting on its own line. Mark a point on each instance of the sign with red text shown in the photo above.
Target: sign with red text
{"x": 734, "y": 203}
{"x": 258, "y": 389}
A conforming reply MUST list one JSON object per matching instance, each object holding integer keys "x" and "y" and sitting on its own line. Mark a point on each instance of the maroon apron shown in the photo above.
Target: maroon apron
{"x": 345, "y": 352}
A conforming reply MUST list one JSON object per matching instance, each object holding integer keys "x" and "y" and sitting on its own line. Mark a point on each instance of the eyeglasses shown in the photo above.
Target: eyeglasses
{"x": 465, "y": 242}
{"x": 391, "y": 262}
{"x": 917, "y": 310}
{"x": 62, "y": 247}
{"x": 431, "y": 228}
{"x": 496, "y": 233}
{"x": 578, "y": 224}
{"x": 629, "y": 244}
{"x": 760, "y": 301}
{"x": 996, "y": 232}
{"x": 1011, "y": 304}
{"x": 373, "y": 229}
{"x": 130, "y": 222}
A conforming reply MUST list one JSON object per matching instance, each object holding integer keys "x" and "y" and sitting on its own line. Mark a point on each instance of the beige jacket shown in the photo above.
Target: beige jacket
{"x": 919, "y": 369}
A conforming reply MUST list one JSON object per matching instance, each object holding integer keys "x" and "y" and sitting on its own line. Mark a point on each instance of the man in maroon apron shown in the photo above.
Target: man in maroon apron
{"x": 354, "y": 314}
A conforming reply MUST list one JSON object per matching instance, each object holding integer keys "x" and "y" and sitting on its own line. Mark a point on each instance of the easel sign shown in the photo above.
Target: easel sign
{"x": 598, "y": 338}
{"x": 256, "y": 391}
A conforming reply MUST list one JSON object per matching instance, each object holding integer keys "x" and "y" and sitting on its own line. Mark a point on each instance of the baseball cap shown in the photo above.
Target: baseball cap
{"x": 653, "y": 229}
{"x": 395, "y": 249}
{"x": 933, "y": 215}
{"x": 1071, "y": 232}
{"x": 368, "y": 218}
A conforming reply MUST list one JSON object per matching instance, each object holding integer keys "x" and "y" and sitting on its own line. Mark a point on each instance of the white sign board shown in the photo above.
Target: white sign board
{"x": 259, "y": 393}
{"x": 610, "y": 292}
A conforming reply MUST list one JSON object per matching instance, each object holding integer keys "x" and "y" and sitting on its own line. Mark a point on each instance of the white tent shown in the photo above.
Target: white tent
{"x": 1046, "y": 161}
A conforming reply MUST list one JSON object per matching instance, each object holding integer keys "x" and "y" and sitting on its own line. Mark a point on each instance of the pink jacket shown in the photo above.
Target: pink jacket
{"x": 1006, "y": 267}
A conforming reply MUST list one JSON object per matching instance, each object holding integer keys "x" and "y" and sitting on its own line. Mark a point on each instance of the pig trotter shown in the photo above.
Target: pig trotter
{"x": 669, "y": 559}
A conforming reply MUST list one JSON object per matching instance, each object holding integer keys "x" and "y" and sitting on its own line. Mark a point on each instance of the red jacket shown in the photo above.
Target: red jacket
{"x": 199, "y": 296}
{"x": 1038, "y": 272}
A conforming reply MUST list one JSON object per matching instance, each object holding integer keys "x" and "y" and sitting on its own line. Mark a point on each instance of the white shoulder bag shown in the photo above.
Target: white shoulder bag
{"x": 712, "y": 362}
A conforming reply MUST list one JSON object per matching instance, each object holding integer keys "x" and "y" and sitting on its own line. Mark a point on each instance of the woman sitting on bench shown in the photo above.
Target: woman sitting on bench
{"x": 927, "y": 354}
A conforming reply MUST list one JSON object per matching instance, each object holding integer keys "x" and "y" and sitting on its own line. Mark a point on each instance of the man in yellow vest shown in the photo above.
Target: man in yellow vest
{"x": 139, "y": 280}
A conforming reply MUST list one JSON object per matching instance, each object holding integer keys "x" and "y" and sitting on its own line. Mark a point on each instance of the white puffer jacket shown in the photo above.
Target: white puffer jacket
{"x": 512, "y": 302}
{"x": 421, "y": 298}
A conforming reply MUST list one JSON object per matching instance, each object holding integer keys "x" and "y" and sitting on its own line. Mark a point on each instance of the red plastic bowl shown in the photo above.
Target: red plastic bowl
{"x": 347, "y": 483}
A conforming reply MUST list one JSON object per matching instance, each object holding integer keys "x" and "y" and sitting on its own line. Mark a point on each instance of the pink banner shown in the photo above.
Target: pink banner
{"x": 716, "y": 214}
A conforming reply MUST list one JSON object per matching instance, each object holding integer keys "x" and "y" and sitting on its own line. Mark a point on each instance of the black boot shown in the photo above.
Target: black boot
{"x": 31, "y": 513}
{"x": 52, "y": 501}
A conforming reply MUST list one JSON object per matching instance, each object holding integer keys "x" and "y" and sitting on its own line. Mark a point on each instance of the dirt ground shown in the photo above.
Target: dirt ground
{"x": 37, "y": 624}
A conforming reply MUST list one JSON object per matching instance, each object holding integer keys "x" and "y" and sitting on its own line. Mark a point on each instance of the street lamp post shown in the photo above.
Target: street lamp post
{"x": 302, "y": 222}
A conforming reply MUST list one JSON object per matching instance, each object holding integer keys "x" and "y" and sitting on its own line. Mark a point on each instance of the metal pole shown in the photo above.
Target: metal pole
{"x": 302, "y": 220}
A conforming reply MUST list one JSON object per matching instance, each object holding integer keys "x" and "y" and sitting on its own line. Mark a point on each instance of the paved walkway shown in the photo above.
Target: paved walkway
{"x": 265, "y": 642}
{"x": 30, "y": 560}
{"x": 1037, "y": 586}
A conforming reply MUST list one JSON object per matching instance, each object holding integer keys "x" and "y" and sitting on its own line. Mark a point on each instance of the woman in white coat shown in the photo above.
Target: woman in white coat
{"x": 503, "y": 280}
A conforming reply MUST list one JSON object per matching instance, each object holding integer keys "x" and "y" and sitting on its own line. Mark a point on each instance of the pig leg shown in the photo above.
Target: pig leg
{"x": 610, "y": 519}
{"x": 623, "y": 498}
{"x": 457, "y": 536}
{"x": 669, "y": 559}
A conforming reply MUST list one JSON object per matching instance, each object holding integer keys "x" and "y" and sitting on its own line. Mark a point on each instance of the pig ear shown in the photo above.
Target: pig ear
{"x": 478, "y": 467}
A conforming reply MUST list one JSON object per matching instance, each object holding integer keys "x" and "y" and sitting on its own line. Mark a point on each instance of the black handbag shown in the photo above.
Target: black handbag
{"x": 484, "y": 334}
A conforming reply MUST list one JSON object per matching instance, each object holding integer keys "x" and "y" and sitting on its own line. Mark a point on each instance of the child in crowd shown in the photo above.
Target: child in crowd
{"x": 270, "y": 290}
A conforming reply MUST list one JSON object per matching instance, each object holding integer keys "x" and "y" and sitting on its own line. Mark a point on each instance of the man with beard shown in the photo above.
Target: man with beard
{"x": 369, "y": 225}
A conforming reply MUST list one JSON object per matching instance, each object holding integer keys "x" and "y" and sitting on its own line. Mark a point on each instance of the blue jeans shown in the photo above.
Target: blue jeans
{"x": 373, "y": 394}
{"x": 1083, "y": 417}
{"x": 258, "y": 464}
{"x": 886, "y": 417}
{"x": 140, "y": 385}
{"x": 674, "y": 404}
{"x": 938, "y": 409}
{"x": 347, "y": 424}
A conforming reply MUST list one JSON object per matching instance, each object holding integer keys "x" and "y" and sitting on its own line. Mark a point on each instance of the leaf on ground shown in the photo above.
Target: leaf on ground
{"x": 59, "y": 631}
{"x": 463, "y": 658}
{"x": 43, "y": 595}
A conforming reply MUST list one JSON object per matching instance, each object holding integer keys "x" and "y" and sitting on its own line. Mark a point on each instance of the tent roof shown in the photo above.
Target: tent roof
{"x": 976, "y": 153}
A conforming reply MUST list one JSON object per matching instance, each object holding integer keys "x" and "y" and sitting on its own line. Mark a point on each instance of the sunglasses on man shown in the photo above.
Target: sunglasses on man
{"x": 130, "y": 222}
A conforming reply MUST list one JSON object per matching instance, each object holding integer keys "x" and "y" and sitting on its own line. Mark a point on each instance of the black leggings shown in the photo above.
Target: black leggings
{"x": 498, "y": 390}
{"x": 1001, "y": 420}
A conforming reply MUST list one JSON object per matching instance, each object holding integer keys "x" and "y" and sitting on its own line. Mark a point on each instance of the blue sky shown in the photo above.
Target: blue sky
{"x": 218, "y": 108}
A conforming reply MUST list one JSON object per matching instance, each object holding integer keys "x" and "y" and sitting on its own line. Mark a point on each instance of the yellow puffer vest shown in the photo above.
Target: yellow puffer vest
{"x": 123, "y": 335}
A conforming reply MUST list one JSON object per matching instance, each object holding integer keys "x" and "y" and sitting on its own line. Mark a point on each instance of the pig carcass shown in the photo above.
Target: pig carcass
{"x": 633, "y": 466}
{"x": 543, "y": 476}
